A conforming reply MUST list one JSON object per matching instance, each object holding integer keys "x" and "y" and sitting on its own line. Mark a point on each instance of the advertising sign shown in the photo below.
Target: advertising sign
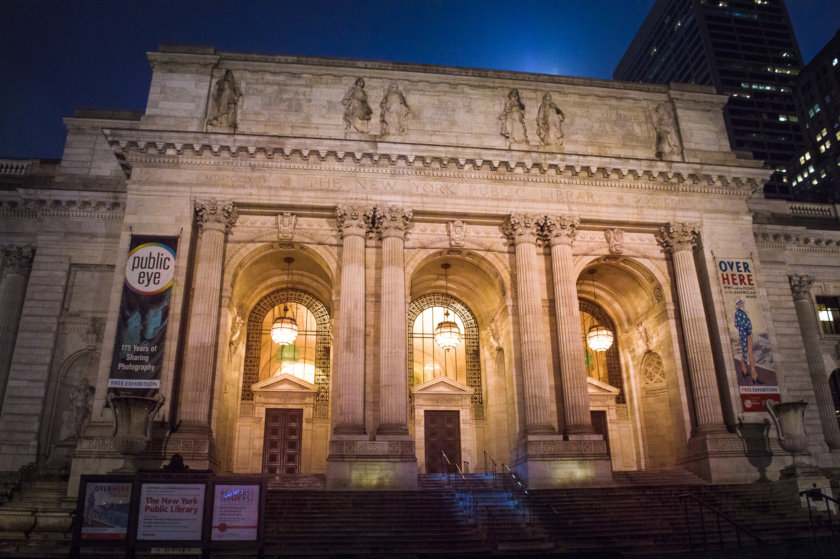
{"x": 144, "y": 314}
{"x": 235, "y": 512}
{"x": 105, "y": 514}
{"x": 171, "y": 511}
{"x": 748, "y": 336}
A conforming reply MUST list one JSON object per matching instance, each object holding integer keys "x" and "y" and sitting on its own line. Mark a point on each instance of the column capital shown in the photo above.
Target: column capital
{"x": 216, "y": 214}
{"x": 560, "y": 229}
{"x": 800, "y": 285}
{"x": 678, "y": 235}
{"x": 521, "y": 228}
{"x": 17, "y": 259}
{"x": 353, "y": 220}
{"x": 392, "y": 221}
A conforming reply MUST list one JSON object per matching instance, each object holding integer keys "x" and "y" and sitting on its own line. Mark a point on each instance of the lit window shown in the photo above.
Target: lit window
{"x": 808, "y": 155}
{"x": 828, "y": 312}
{"x": 801, "y": 159}
{"x": 722, "y": 4}
{"x": 822, "y": 149}
{"x": 834, "y": 62}
{"x": 782, "y": 118}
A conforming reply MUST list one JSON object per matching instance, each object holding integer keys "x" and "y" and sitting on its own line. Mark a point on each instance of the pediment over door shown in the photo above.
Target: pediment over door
{"x": 284, "y": 383}
{"x": 601, "y": 392}
{"x": 443, "y": 385}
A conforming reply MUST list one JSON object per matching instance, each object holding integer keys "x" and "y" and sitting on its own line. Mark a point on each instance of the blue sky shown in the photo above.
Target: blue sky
{"x": 59, "y": 55}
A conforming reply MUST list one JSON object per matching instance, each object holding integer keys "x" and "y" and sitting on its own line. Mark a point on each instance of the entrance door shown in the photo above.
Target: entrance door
{"x": 281, "y": 445}
{"x": 443, "y": 433}
{"x": 599, "y": 424}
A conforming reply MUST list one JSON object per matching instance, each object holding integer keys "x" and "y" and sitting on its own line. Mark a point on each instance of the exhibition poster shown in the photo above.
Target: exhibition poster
{"x": 171, "y": 511}
{"x": 236, "y": 512}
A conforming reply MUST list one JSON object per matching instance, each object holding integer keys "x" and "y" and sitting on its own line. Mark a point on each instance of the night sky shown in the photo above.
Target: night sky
{"x": 60, "y": 55}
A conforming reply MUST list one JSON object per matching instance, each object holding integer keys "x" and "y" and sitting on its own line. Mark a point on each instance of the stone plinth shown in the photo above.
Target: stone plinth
{"x": 364, "y": 465}
{"x": 549, "y": 462}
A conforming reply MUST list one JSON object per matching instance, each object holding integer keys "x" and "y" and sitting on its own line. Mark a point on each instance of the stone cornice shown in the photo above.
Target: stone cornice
{"x": 166, "y": 148}
{"x": 797, "y": 239}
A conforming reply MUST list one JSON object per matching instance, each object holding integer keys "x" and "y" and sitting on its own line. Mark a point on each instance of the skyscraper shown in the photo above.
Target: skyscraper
{"x": 746, "y": 49}
{"x": 815, "y": 174}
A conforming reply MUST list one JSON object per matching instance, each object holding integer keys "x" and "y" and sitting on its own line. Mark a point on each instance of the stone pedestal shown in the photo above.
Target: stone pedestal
{"x": 546, "y": 462}
{"x": 357, "y": 464}
{"x": 719, "y": 458}
{"x": 195, "y": 444}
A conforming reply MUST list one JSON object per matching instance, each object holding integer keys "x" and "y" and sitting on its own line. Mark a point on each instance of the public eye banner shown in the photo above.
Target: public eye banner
{"x": 143, "y": 316}
{"x": 748, "y": 335}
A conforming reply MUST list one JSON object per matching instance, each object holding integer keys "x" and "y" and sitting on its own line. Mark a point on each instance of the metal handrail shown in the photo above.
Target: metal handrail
{"x": 686, "y": 497}
{"x": 471, "y": 505}
{"x": 816, "y": 494}
{"x": 490, "y": 458}
{"x": 522, "y": 486}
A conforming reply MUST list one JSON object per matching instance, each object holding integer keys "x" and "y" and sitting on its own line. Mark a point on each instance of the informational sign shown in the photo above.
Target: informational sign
{"x": 748, "y": 335}
{"x": 236, "y": 510}
{"x": 105, "y": 513}
{"x": 171, "y": 511}
{"x": 144, "y": 315}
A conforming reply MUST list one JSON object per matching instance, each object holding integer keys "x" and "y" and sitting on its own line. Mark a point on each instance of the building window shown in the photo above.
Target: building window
{"x": 602, "y": 366}
{"x": 834, "y": 386}
{"x": 828, "y": 313}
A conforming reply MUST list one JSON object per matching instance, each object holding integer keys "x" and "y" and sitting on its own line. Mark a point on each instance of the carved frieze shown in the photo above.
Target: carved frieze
{"x": 549, "y": 120}
{"x": 286, "y": 226}
{"x": 357, "y": 111}
{"x": 667, "y": 136}
{"x": 224, "y": 103}
{"x": 394, "y": 112}
{"x": 513, "y": 120}
{"x": 615, "y": 240}
{"x": 457, "y": 232}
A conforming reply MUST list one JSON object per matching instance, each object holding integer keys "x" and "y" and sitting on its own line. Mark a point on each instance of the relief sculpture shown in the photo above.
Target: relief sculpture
{"x": 225, "y": 103}
{"x": 395, "y": 112}
{"x": 549, "y": 119}
{"x": 357, "y": 110}
{"x": 513, "y": 120}
{"x": 667, "y": 139}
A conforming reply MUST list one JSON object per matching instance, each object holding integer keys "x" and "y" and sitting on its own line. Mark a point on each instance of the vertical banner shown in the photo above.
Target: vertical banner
{"x": 144, "y": 315}
{"x": 748, "y": 335}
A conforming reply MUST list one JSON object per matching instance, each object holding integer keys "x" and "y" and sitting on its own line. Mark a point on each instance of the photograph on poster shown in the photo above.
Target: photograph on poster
{"x": 235, "y": 512}
{"x": 171, "y": 511}
{"x": 749, "y": 339}
{"x": 105, "y": 514}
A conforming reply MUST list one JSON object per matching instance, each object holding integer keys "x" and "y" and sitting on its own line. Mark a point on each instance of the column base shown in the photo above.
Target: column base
{"x": 391, "y": 431}
{"x": 548, "y": 461}
{"x": 723, "y": 457}
{"x": 359, "y": 464}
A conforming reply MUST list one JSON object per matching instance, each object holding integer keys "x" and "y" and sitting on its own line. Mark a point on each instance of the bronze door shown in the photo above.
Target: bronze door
{"x": 281, "y": 445}
{"x": 599, "y": 424}
{"x": 443, "y": 433}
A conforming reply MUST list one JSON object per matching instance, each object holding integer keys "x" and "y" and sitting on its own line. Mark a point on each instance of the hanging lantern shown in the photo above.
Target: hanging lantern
{"x": 599, "y": 338}
{"x": 284, "y": 331}
{"x": 447, "y": 333}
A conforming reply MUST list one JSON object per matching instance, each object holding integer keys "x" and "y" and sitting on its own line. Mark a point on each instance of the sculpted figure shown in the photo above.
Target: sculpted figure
{"x": 394, "y": 112}
{"x": 667, "y": 141}
{"x": 75, "y": 418}
{"x": 357, "y": 111}
{"x": 513, "y": 119}
{"x": 225, "y": 102}
{"x": 549, "y": 119}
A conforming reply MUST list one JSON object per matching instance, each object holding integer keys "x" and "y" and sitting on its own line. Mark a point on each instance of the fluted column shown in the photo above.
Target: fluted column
{"x": 800, "y": 285}
{"x": 523, "y": 230}
{"x": 16, "y": 262}
{"x": 353, "y": 222}
{"x": 214, "y": 219}
{"x": 679, "y": 240}
{"x": 392, "y": 223}
{"x": 562, "y": 231}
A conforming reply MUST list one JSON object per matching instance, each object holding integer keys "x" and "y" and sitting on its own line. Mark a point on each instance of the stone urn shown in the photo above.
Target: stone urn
{"x": 133, "y": 417}
{"x": 789, "y": 418}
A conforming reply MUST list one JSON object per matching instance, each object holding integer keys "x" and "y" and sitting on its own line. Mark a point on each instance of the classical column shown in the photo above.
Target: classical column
{"x": 215, "y": 219}
{"x": 392, "y": 223}
{"x": 353, "y": 223}
{"x": 800, "y": 285}
{"x": 679, "y": 240}
{"x": 16, "y": 262}
{"x": 523, "y": 230}
{"x": 561, "y": 231}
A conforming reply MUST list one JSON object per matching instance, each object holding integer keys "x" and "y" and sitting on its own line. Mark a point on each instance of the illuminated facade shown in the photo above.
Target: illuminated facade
{"x": 746, "y": 49}
{"x": 333, "y": 194}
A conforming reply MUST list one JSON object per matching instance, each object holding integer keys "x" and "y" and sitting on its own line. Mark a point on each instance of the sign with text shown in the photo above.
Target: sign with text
{"x": 748, "y": 335}
{"x": 105, "y": 513}
{"x": 236, "y": 510}
{"x": 171, "y": 511}
{"x": 144, "y": 315}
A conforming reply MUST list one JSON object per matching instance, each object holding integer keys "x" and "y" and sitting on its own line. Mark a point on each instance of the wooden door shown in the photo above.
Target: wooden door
{"x": 599, "y": 424}
{"x": 281, "y": 444}
{"x": 442, "y": 433}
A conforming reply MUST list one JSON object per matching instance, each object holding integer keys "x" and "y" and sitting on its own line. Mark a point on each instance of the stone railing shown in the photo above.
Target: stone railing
{"x": 803, "y": 209}
{"x": 28, "y": 167}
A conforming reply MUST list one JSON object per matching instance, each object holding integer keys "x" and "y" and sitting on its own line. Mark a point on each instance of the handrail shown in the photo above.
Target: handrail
{"x": 686, "y": 497}
{"x": 816, "y": 494}
{"x": 522, "y": 486}
{"x": 490, "y": 458}
{"x": 472, "y": 505}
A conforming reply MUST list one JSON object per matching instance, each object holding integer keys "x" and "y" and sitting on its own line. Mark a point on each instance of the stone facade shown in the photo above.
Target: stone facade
{"x": 370, "y": 176}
